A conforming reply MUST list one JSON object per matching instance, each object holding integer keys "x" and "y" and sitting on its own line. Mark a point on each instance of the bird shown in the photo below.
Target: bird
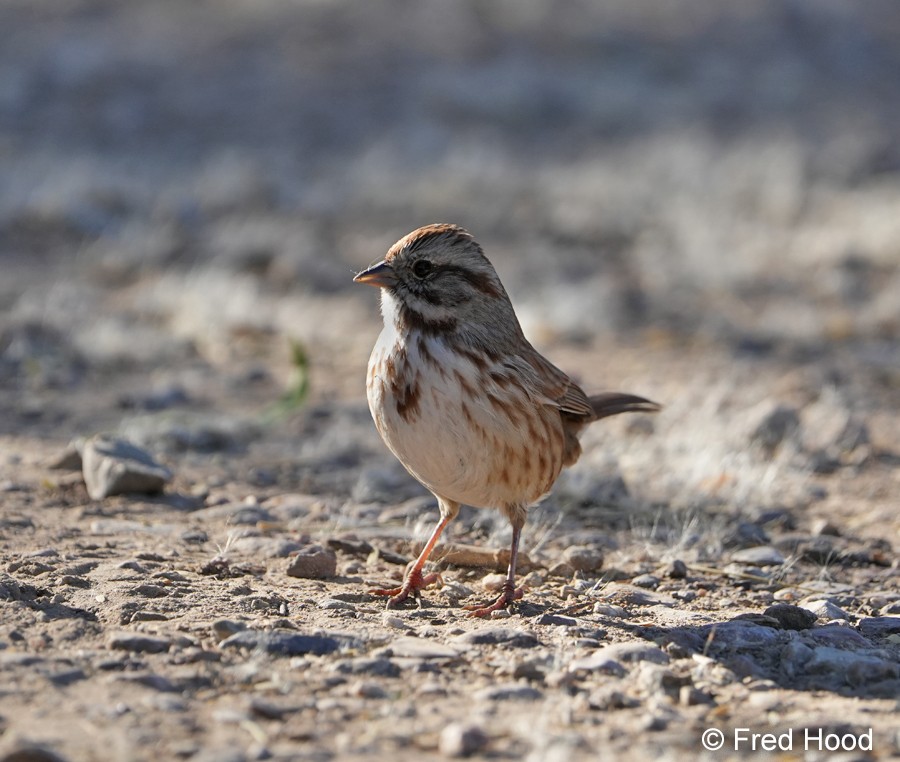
{"x": 469, "y": 407}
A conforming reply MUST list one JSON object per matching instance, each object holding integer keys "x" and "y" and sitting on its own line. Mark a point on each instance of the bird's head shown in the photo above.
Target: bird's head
{"x": 438, "y": 276}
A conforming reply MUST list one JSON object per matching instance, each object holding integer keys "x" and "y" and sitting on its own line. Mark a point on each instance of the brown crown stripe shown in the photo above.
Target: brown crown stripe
{"x": 427, "y": 234}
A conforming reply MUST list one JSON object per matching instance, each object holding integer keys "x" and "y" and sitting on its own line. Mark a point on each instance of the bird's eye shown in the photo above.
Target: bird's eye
{"x": 422, "y": 268}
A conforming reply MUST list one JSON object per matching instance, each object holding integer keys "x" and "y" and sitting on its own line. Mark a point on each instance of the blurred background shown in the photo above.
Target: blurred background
{"x": 697, "y": 201}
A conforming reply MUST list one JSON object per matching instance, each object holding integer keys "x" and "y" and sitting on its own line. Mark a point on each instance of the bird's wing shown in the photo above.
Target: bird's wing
{"x": 557, "y": 387}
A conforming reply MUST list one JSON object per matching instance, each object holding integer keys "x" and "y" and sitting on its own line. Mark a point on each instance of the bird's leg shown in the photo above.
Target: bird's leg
{"x": 413, "y": 579}
{"x": 510, "y": 591}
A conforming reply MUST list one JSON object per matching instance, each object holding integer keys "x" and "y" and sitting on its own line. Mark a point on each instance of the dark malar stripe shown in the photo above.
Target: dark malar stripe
{"x": 416, "y": 321}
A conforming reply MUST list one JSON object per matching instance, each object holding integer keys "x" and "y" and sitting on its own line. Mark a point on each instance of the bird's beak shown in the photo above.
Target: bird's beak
{"x": 381, "y": 275}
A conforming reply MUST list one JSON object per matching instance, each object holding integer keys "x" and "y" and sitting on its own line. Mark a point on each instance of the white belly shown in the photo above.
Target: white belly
{"x": 461, "y": 445}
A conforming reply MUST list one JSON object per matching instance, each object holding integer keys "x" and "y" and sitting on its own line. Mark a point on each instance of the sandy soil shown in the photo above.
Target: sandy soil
{"x": 698, "y": 205}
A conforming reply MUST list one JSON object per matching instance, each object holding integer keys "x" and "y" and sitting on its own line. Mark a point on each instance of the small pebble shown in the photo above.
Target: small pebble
{"x": 762, "y": 555}
{"x": 508, "y": 692}
{"x": 648, "y": 581}
{"x": 313, "y": 562}
{"x": 115, "y": 467}
{"x": 138, "y": 642}
{"x": 825, "y": 610}
{"x": 335, "y": 604}
{"x": 368, "y": 690}
{"x": 610, "y": 610}
{"x": 225, "y": 628}
{"x": 462, "y": 739}
{"x": 583, "y": 558}
{"x": 791, "y": 617}
{"x": 506, "y": 636}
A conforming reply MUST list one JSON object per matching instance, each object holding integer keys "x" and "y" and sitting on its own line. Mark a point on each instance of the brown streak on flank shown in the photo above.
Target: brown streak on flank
{"x": 504, "y": 475}
{"x": 542, "y": 463}
{"x": 470, "y": 419}
{"x": 476, "y": 358}
{"x": 501, "y": 379}
{"x": 408, "y": 400}
{"x": 505, "y": 406}
{"x": 427, "y": 356}
{"x": 467, "y": 388}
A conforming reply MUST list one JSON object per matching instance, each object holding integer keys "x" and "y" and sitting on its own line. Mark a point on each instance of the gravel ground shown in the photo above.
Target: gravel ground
{"x": 697, "y": 204}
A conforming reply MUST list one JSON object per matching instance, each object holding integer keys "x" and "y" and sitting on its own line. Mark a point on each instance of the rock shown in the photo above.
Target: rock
{"x": 608, "y": 697}
{"x": 313, "y": 562}
{"x": 420, "y": 648}
{"x": 648, "y": 581}
{"x": 506, "y": 636}
{"x": 336, "y": 604}
{"x": 610, "y": 658}
{"x": 138, "y": 642}
{"x": 688, "y": 695}
{"x": 557, "y": 619}
{"x": 634, "y": 595}
{"x": 610, "y": 610}
{"x": 832, "y": 433}
{"x": 69, "y": 459}
{"x": 825, "y": 610}
{"x": 762, "y": 555}
{"x": 561, "y": 569}
{"x": 824, "y": 527}
{"x": 368, "y": 690}
{"x": 835, "y": 635}
{"x": 116, "y": 467}
{"x": 791, "y": 617}
{"x": 676, "y": 569}
{"x": 880, "y": 626}
{"x": 149, "y": 680}
{"x": 583, "y": 558}
{"x": 378, "y": 666}
{"x": 509, "y": 692}
{"x": 27, "y": 752}
{"x": 771, "y": 424}
{"x": 745, "y": 535}
{"x": 291, "y": 643}
{"x": 225, "y": 628}
{"x": 462, "y": 739}
{"x": 392, "y": 620}
{"x": 739, "y": 634}
{"x": 794, "y": 657}
{"x": 494, "y": 582}
{"x": 849, "y": 667}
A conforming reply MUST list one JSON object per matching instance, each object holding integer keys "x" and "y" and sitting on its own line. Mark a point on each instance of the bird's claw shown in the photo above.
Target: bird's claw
{"x": 506, "y": 598}
{"x": 414, "y": 583}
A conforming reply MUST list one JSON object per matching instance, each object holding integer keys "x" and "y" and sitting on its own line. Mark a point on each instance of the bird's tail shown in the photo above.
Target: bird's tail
{"x": 613, "y": 403}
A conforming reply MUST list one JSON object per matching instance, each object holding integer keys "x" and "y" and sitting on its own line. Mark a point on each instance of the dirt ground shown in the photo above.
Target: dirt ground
{"x": 698, "y": 205}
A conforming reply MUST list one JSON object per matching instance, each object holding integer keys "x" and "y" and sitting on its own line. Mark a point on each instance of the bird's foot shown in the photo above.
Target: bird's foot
{"x": 508, "y": 595}
{"x": 413, "y": 583}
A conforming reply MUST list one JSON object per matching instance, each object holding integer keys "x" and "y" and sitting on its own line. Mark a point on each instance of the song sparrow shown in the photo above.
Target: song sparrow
{"x": 462, "y": 399}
